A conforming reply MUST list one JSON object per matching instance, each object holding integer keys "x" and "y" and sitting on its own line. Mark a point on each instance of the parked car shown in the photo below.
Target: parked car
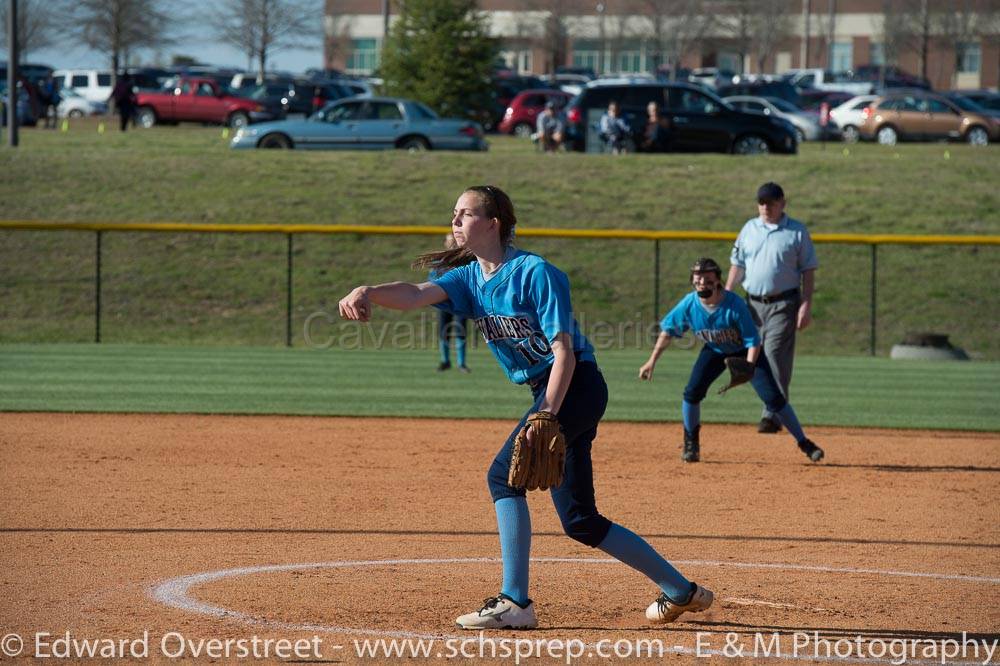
{"x": 762, "y": 88}
{"x": 850, "y": 115}
{"x": 366, "y": 123}
{"x": 824, "y": 79}
{"x": 25, "y": 113}
{"x": 74, "y": 105}
{"x": 332, "y": 91}
{"x": 699, "y": 121}
{"x": 506, "y": 87}
{"x": 272, "y": 96}
{"x": 806, "y": 123}
{"x": 582, "y": 71}
{"x": 666, "y": 73}
{"x": 93, "y": 84}
{"x": 884, "y": 77}
{"x": 31, "y": 72}
{"x": 197, "y": 100}
{"x": 522, "y": 114}
{"x": 984, "y": 98}
{"x": 149, "y": 78}
{"x": 812, "y": 100}
{"x": 290, "y": 96}
{"x": 221, "y": 75}
{"x": 968, "y": 104}
{"x": 559, "y": 80}
{"x": 711, "y": 77}
{"x": 921, "y": 116}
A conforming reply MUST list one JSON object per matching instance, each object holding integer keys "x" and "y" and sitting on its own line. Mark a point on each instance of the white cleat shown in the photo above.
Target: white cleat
{"x": 500, "y": 612}
{"x": 665, "y": 610}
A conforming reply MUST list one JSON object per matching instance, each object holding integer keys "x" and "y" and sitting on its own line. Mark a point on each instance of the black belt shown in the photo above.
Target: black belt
{"x": 783, "y": 296}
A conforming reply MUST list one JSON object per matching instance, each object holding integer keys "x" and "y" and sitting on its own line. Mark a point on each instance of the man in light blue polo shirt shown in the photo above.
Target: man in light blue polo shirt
{"x": 775, "y": 262}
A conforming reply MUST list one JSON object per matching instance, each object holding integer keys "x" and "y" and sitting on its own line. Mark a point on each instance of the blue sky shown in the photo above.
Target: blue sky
{"x": 200, "y": 46}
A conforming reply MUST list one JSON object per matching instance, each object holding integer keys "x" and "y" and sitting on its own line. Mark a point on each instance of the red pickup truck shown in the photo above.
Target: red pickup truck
{"x": 197, "y": 100}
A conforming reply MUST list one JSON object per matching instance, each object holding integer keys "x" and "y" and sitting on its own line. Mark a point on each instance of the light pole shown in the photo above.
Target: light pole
{"x": 600, "y": 27}
{"x": 11, "y": 110}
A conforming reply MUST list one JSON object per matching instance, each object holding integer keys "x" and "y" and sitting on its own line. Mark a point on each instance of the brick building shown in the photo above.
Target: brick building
{"x": 620, "y": 36}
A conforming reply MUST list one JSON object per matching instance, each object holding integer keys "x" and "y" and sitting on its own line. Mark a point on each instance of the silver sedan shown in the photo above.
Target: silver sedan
{"x": 366, "y": 123}
{"x": 806, "y": 123}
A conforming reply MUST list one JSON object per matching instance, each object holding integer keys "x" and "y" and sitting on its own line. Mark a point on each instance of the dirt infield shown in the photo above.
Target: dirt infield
{"x": 896, "y": 536}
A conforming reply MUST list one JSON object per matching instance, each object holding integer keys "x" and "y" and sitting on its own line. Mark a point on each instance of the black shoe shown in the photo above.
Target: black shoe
{"x": 444, "y": 365}
{"x": 464, "y": 369}
{"x": 692, "y": 446}
{"x": 810, "y": 449}
{"x": 768, "y": 426}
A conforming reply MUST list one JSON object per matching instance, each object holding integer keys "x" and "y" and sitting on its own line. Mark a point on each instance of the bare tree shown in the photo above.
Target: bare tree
{"x": 120, "y": 27}
{"x": 259, "y": 28}
{"x": 655, "y": 14}
{"x": 678, "y": 27}
{"x": 758, "y": 27}
{"x": 624, "y": 33}
{"x": 918, "y": 22}
{"x": 960, "y": 24}
{"x": 37, "y": 24}
{"x": 552, "y": 35}
{"x": 893, "y": 31}
{"x": 825, "y": 15}
{"x": 770, "y": 25}
{"x": 990, "y": 25}
{"x": 740, "y": 28}
{"x": 336, "y": 37}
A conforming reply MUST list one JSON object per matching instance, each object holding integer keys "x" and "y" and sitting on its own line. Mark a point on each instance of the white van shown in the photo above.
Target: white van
{"x": 93, "y": 84}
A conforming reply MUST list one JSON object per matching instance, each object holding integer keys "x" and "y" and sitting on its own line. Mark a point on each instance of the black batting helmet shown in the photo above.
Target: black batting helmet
{"x": 706, "y": 265}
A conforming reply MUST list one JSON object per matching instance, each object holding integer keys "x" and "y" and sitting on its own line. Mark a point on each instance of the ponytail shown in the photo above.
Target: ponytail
{"x": 443, "y": 261}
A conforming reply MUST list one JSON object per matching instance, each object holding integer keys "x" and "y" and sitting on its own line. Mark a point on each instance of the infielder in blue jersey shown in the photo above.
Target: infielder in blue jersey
{"x": 450, "y": 326}
{"x": 521, "y": 304}
{"x": 721, "y": 320}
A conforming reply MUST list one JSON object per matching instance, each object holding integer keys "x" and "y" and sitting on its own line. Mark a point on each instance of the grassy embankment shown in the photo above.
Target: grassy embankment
{"x": 229, "y": 289}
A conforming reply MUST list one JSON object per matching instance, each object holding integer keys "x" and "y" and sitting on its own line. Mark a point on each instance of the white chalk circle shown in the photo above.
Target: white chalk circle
{"x": 175, "y": 592}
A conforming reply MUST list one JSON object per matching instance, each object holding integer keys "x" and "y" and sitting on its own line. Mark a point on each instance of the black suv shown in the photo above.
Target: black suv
{"x": 698, "y": 120}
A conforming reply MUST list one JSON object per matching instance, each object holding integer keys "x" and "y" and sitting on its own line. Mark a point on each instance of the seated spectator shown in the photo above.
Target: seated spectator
{"x": 656, "y": 135}
{"x": 614, "y": 130}
{"x": 549, "y": 129}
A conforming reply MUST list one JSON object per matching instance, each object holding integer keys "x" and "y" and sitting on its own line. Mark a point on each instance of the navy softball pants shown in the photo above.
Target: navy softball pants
{"x": 581, "y": 411}
{"x": 711, "y": 364}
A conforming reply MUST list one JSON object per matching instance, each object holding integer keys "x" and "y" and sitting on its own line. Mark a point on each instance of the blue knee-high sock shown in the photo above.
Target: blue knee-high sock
{"x": 691, "y": 413}
{"x": 514, "y": 524}
{"x": 460, "y": 350}
{"x": 632, "y": 549}
{"x": 791, "y": 422}
{"x": 445, "y": 352}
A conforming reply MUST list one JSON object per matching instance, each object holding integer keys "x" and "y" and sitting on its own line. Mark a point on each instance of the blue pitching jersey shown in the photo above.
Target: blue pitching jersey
{"x": 519, "y": 311}
{"x": 727, "y": 329}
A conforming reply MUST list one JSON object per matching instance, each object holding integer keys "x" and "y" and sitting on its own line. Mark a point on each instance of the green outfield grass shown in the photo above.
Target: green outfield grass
{"x": 148, "y": 378}
{"x": 228, "y": 289}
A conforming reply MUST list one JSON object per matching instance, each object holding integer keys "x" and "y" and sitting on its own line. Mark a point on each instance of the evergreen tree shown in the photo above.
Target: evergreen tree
{"x": 440, "y": 53}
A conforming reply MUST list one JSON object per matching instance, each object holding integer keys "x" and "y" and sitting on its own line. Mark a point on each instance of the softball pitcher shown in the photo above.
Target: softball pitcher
{"x": 521, "y": 304}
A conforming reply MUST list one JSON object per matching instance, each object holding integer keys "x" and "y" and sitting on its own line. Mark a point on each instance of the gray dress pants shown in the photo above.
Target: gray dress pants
{"x": 776, "y": 322}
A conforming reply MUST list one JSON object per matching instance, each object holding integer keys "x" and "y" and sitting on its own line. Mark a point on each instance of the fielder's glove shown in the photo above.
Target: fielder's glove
{"x": 740, "y": 372}
{"x": 540, "y": 466}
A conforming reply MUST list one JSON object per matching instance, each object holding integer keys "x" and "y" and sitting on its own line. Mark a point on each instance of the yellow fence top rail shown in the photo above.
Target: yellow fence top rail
{"x": 413, "y": 230}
